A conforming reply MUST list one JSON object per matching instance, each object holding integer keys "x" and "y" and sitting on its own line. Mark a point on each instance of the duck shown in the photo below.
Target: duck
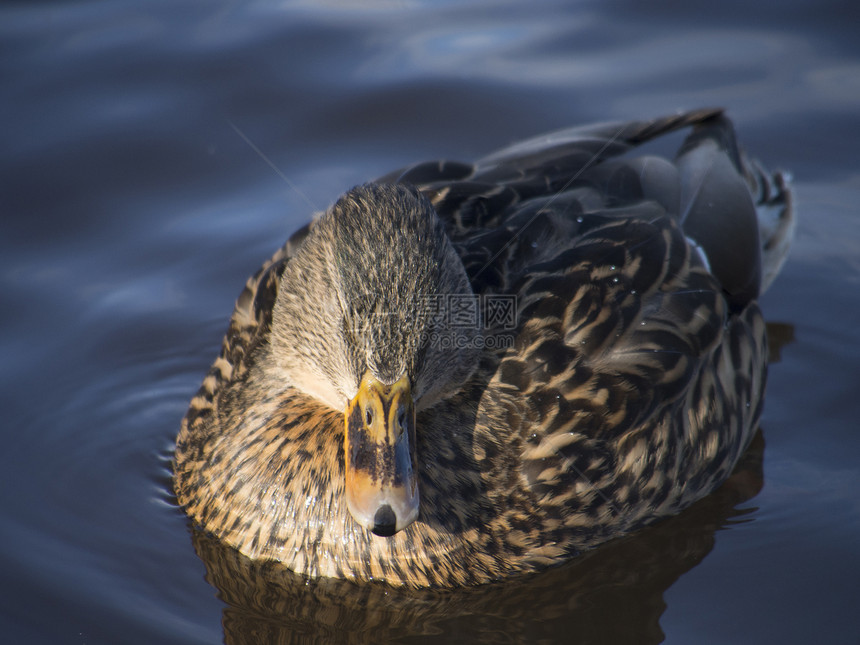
{"x": 464, "y": 372}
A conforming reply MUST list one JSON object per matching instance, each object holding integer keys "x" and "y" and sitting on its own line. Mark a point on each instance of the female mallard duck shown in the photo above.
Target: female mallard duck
{"x": 463, "y": 372}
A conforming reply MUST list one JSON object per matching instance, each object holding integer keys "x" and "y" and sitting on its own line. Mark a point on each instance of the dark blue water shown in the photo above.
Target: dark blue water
{"x": 133, "y": 206}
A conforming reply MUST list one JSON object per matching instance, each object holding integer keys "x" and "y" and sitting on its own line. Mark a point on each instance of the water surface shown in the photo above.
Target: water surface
{"x": 154, "y": 153}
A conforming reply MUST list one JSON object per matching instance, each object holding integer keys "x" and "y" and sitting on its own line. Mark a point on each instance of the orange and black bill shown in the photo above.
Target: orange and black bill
{"x": 379, "y": 454}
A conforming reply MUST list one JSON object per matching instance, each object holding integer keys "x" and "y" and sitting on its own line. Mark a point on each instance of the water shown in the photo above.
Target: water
{"x": 134, "y": 206}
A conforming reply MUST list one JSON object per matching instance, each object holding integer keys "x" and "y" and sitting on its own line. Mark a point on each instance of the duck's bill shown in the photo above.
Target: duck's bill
{"x": 379, "y": 455}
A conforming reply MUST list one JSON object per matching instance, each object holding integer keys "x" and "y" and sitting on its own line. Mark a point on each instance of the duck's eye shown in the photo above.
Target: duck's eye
{"x": 368, "y": 417}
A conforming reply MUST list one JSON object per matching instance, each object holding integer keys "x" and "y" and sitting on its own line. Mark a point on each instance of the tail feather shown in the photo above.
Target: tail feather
{"x": 738, "y": 213}
{"x": 774, "y": 202}
{"x": 717, "y": 210}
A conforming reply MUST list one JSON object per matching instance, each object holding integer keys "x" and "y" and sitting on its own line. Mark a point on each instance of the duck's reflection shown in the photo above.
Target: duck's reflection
{"x": 613, "y": 594}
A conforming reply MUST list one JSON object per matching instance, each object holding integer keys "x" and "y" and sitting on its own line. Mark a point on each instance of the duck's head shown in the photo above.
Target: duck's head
{"x": 362, "y": 322}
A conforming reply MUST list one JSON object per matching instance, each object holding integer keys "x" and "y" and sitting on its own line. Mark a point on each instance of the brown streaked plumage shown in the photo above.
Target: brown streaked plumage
{"x": 625, "y": 387}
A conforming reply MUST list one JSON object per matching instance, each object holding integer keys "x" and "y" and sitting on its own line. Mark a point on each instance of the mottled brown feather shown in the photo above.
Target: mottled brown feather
{"x": 629, "y": 388}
